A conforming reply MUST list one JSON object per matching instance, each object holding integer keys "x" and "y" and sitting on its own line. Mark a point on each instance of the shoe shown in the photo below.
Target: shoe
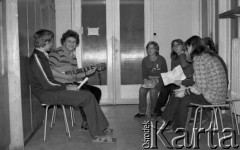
{"x": 104, "y": 139}
{"x": 139, "y": 115}
{"x": 84, "y": 125}
{"x": 108, "y": 131}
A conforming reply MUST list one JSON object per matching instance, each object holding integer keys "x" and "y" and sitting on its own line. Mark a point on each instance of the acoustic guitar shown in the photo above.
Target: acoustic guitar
{"x": 69, "y": 71}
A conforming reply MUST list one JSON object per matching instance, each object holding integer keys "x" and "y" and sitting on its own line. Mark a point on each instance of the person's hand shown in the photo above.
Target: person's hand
{"x": 178, "y": 82}
{"x": 145, "y": 81}
{"x": 92, "y": 71}
{"x": 179, "y": 94}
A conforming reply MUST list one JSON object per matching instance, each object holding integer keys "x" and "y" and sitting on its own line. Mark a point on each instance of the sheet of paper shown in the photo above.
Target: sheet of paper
{"x": 176, "y": 74}
{"x": 93, "y": 31}
{"x": 82, "y": 82}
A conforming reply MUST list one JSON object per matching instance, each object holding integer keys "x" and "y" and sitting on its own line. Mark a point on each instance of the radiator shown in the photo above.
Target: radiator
{"x": 235, "y": 73}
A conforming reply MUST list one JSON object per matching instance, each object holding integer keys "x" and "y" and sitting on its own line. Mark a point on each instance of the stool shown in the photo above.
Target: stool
{"x": 54, "y": 115}
{"x": 65, "y": 120}
{"x": 233, "y": 111}
{"x": 215, "y": 109}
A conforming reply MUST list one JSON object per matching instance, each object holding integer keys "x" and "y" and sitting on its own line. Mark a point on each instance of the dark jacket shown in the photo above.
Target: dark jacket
{"x": 40, "y": 75}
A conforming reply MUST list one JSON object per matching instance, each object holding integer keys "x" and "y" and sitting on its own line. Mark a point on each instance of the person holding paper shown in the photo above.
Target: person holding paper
{"x": 178, "y": 57}
{"x": 64, "y": 59}
{"x": 49, "y": 91}
{"x": 152, "y": 66}
{"x": 210, "y": 85}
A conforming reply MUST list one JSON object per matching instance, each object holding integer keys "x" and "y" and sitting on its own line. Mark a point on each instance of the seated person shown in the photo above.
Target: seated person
{"x": 52, "y": 92}
{"x": 152, "y": 66}
{"x": 210, "y": 85}
{"x": 178, "y": 57}
{"x": 64, "y": 59}
{"x": 210, "y": 46}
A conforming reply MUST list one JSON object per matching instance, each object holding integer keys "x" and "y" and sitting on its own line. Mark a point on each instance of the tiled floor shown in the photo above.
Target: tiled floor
{"x": 127, "y": 130}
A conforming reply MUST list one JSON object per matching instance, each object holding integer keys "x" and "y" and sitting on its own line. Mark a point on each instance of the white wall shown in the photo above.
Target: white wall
{"x": 174, "y": 19}
{"x": 68, "y": 16}
{"x": 63, "y": 18}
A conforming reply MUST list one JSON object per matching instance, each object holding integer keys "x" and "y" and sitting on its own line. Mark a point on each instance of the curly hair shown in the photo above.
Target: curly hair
{"x": 70, "y": 33}
{"x": 41, "y": 37}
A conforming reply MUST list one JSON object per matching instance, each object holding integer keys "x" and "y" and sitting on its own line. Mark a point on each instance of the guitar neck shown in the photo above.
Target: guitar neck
{"x": 79, "y": 70}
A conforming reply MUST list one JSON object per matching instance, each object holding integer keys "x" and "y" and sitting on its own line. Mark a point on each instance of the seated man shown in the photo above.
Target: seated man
{"x": 64, "y": 59}
{"x": 51, "y": 92}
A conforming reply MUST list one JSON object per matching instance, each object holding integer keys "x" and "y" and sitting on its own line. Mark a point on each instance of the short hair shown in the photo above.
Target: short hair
{"x": 155, "y": 45}
{"x": 209, "y": 42}
{"x": 174, "y": 55}
{"x": 42, "y": 36}
{"x": 70, "y": 33}
{"x": 197, "y": 45}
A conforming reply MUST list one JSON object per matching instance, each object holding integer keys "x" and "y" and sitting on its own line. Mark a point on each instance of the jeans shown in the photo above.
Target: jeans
{"x": 143, "y": 99}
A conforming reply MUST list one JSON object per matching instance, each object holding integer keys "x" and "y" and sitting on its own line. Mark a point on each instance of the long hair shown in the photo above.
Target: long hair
{"x": 173, "y": 54}
{"x": 70, "y": 33}
{"x": 197, "y": 45}
{"x": 41, "y": 37}
{"x": 209, "y": 42}
{"x": 155, "y": 45}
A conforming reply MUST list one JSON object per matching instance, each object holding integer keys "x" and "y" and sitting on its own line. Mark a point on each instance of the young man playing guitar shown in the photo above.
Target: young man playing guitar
{"x": 63, "y": 60}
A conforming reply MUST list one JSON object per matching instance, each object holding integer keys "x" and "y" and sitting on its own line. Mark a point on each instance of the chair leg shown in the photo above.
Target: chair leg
{"x": 53, "y": 115}
{"x": 238, "y": 121}
{"x": 194, "y": 125}
{"x": 220, "y": 117}
{"x": 200, "y": 121}
{"x": 236, "y": 118}
{"x": 72, "y": 116}
{"x": 188, "y": 117}
{"x": 66, "y": 122}
{"x": 148, "y": 107}
{"x": 216, "y": 123}
{"x": 231, "y": 113}
{"x": 45, "y": 123}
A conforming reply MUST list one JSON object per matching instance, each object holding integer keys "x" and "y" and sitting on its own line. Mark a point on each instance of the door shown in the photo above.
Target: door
{"x": 113, "y": 33}
{"x": 4, "y": 104}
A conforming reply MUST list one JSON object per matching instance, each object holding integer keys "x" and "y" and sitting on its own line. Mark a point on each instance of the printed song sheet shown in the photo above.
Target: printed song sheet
{"x": 176, "y": 74}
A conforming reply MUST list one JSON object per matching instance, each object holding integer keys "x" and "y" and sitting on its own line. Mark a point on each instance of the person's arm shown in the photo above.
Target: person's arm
{"x": 58, "y": 74}
{"x": 188, "y": 82}
{"x": 183, "y": 60}
{"x": 164, "y": 66}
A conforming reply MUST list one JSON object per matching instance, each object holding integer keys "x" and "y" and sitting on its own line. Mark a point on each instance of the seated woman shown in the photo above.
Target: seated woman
{"x": 178, "y": 57}
{"x": 210, "y": 84}
{"x": 52, "y": 92}
{"x": 210, "y": 46}
{"x": 152, "y": 66}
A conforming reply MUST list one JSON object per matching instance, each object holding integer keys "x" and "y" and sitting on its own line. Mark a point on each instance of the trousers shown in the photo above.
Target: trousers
{"x": 97, "y": 122}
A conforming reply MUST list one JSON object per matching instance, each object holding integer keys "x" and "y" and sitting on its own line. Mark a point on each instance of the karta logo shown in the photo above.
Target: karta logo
{"x": 152, "y": 135}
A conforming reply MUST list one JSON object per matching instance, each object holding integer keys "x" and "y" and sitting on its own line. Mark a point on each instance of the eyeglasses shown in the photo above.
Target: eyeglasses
{"x": 176, "y": 45}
